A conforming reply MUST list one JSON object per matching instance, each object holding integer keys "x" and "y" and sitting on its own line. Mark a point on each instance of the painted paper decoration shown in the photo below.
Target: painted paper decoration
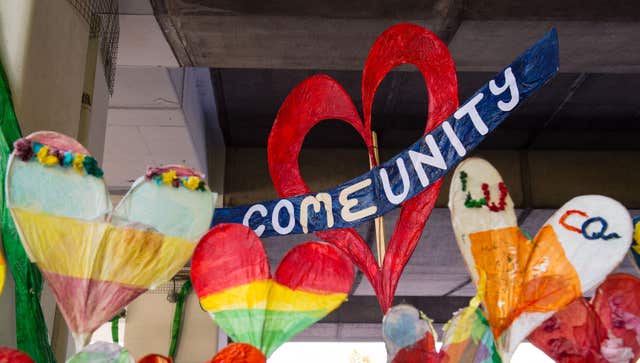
{"x": 8, "y": 355}
{"x": 155, "y": 358}
{"x": 230, "y": 274}
{"x": 617, "y": 303}
{"x": 527, "y": 281}
{"x": 102, "y": 352}
{"x": 408, "y": 336}
{"x": 95, "y": 261}
{"x": 468, "y": 336}
{"x": 634, "y": 252}
{"x": 426, "y": 161}
{"x": 239, "y": 353}
{"x": 605, "y": 330}
{"x": 573, "y": 334}
{"x": 3, "y": 272}
{"x": 320, "y": 98}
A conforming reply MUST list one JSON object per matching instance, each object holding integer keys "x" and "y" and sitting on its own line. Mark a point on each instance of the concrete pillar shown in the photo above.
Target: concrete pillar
{"x": 43, "y": 47}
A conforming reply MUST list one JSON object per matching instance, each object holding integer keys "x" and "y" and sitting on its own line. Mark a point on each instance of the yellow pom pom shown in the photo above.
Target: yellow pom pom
{"x": 44, "y": 158}
{"x": 78, "y": 163}
{"x": 167, "y": 178}
{"x": 192, "y": 182}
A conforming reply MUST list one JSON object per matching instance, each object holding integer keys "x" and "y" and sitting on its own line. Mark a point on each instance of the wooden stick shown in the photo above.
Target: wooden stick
{"x": 379, "y": 221}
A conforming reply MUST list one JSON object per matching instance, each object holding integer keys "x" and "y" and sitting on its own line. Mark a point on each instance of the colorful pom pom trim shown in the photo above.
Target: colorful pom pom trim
{"x": 170, "y": 177}
{"x": 26, "y": 150}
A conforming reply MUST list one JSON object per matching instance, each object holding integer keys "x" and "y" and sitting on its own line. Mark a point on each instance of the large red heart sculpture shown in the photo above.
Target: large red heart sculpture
{"x": 321, "y": 98}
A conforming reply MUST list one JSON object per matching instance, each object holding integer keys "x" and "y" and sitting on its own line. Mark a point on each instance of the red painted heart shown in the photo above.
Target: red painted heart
{"x": 321, "y": 98}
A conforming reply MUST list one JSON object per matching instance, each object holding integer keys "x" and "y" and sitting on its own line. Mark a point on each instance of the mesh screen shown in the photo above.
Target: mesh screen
{"x": 102, "y": 17}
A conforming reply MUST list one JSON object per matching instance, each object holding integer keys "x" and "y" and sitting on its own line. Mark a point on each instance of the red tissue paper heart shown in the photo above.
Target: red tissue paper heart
{"x": 321, "y": 98}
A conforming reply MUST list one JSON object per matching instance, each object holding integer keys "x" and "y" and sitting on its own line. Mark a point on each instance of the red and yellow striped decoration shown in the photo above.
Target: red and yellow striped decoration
{"x": 230, "y": 274}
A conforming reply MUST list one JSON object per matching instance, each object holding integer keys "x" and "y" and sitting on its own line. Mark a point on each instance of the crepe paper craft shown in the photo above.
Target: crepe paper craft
{"x": 102, "y": 352}
{"x": 409, "y": 336}
{"x": 239, "y": 353}
{"x": 413, "y": 173}
{"x": 634, "y": 252}
{"x": 31, "y": 330}
{"x": 8, "y": 355}
{"x": 529, "y": 280}
{"x": 468, "y": 336}
{"x": 617, "y": 302}
{"x": 230, "y": 274}
{"x": 155, "y": 358}
{"x": 96, "y": 260}
{"x": 372, "y": 194}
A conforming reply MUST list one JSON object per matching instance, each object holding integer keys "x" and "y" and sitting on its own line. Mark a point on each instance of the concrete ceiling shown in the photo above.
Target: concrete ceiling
{"x": 577, "y": 135}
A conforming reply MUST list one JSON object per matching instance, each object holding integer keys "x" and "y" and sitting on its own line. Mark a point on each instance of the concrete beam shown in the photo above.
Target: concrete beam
{"x": 555, "y": 175}
{"x": 337, "y": 34}
{"x": 585, "y": 46}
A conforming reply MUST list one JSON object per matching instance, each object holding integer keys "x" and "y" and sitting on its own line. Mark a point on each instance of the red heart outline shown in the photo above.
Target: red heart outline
{"x": 320, "y": 98}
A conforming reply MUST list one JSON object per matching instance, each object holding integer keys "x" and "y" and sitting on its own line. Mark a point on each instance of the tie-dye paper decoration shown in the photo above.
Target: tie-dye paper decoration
{"x": 97, "y": 261}
{"x": 230, "y": 274}
{"x": 529, "y": 280}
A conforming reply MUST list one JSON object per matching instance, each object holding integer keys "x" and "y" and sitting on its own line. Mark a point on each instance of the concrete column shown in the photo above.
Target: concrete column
{"x": 43, "y": 47}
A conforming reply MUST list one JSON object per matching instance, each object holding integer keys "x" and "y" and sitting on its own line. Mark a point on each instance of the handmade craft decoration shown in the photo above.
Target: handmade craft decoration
{"x": 97, "y": 260}
{"x": 409, "y": 336}
{"x": 3, "y": 269}
{"x": 573, "y": 334}
{"x": 634, "y": 252}
{"x": 606, "y": 330}
{"x": 239, "y": 353}
{"x": 529, "y": 280}
{"x": 8, "y": 355}
{"x": 230, "y": 274}
{"x": 468, "y": 336}
{"x": 617, "y": 302}
{"x": 102, "y": 352}
{"x": 412, "y": 178}
{"x": 155, "y": 358}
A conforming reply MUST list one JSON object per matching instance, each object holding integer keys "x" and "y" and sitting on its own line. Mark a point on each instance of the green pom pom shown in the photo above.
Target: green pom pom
{"x": 91, "y": 166}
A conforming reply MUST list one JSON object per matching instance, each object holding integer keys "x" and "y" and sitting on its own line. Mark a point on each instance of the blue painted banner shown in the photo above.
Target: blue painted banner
{"x": 410, "y": 172}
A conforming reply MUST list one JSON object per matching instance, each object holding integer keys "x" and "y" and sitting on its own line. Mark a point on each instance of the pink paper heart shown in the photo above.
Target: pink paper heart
{"x": 321, "y": 98}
